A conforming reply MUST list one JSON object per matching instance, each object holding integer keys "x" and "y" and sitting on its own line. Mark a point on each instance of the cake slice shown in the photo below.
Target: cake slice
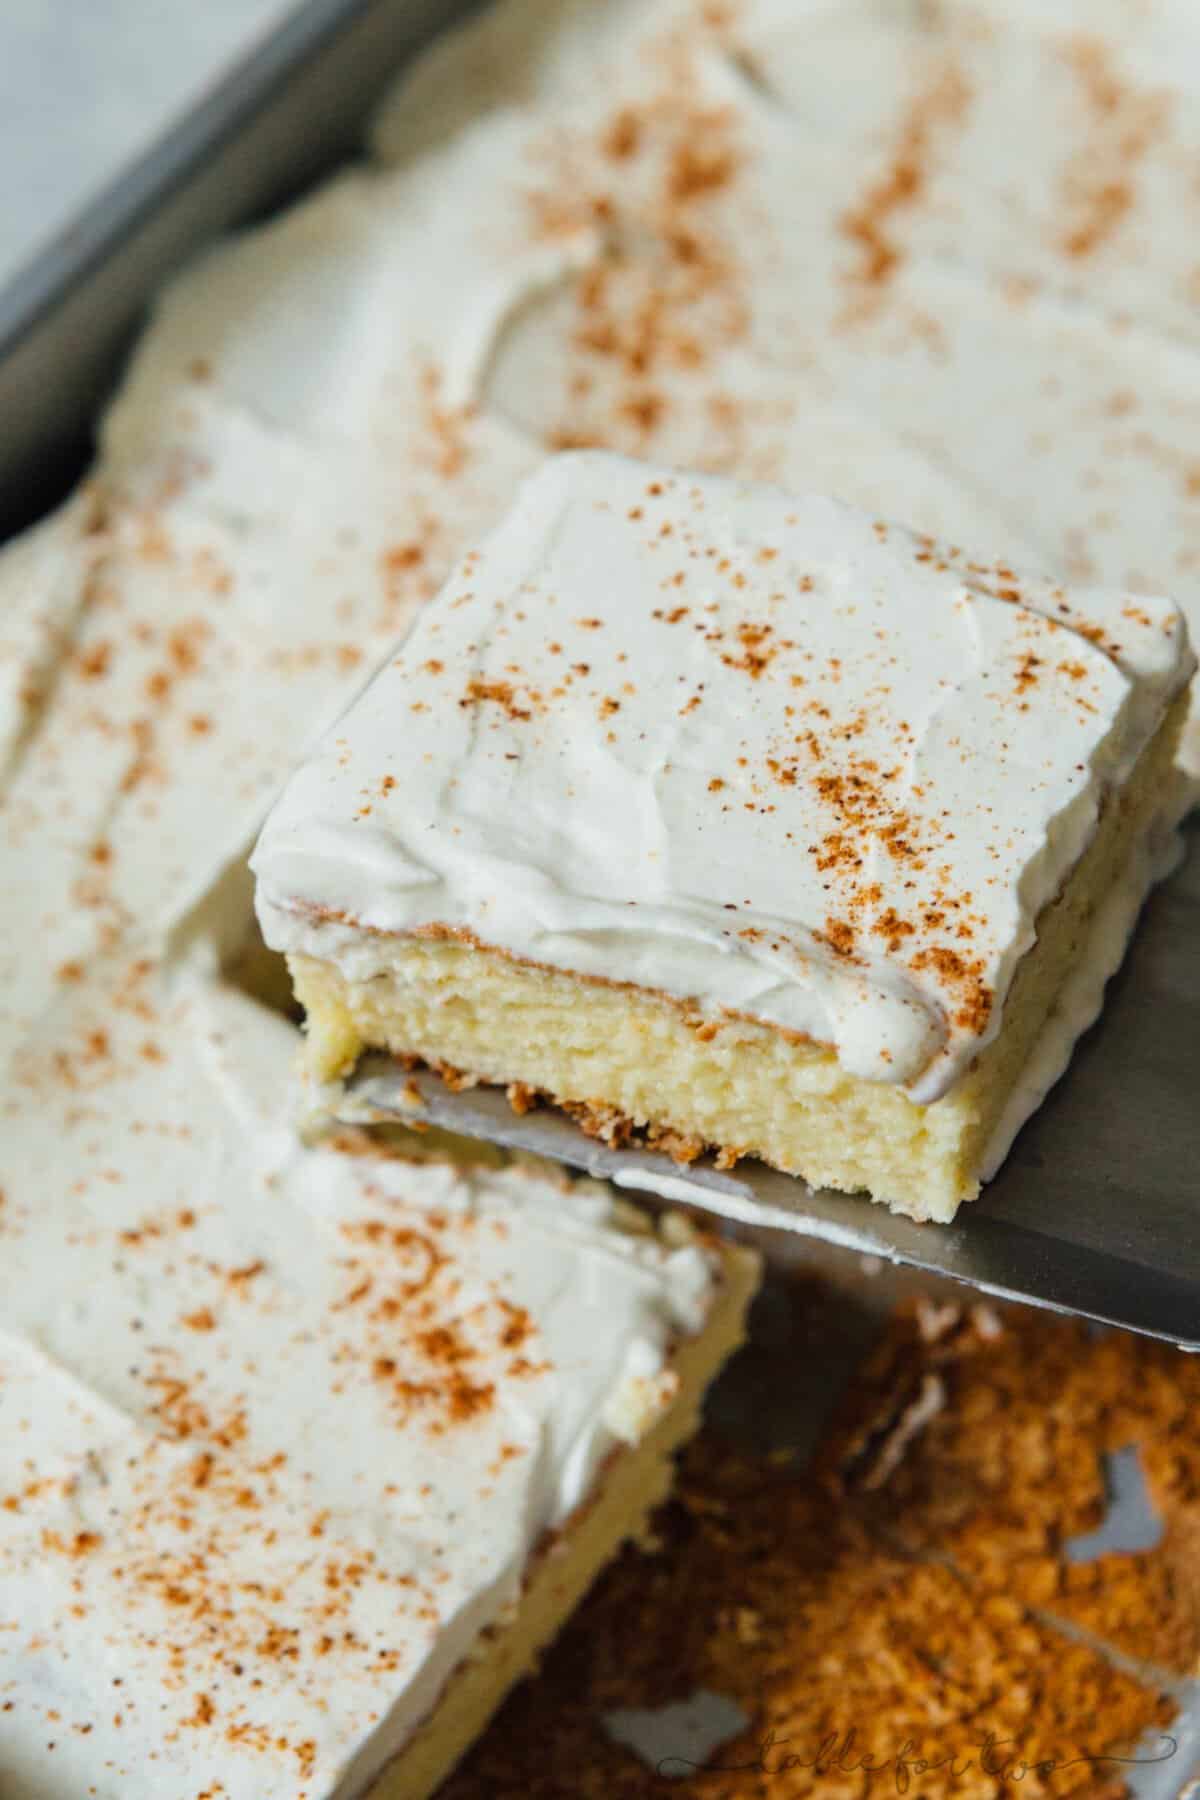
{"x": 743, "y": 820}
{"x": 306, "y": 1451}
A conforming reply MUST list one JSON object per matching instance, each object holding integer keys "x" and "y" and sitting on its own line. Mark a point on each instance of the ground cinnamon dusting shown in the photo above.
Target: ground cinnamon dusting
{"x": 499, "y": 693}
{"x": 668, "y": 292}
{"x": 873, "y": 225}
{"x": 1123, "y": 122}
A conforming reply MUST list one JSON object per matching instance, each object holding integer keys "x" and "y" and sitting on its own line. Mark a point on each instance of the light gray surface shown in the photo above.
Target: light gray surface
{"x": 1131, "y": 1524}
{"x": 87, "y": 85}
{"x": 673, "y": 1739}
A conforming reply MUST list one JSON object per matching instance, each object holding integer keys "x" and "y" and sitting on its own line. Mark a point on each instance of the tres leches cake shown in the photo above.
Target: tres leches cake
{"x": 234, "y": 1561}
{"x": 743, "y": 819}
{"x": 305, "y": 1450}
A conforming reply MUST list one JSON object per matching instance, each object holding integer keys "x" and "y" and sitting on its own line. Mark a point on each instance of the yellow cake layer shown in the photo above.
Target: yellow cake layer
{"x": 744, "y": 1086}
{"x": 636, "y": 1480}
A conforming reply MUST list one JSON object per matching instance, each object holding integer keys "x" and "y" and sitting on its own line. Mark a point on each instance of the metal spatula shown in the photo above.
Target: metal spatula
{"x": 1097, "y": 1210}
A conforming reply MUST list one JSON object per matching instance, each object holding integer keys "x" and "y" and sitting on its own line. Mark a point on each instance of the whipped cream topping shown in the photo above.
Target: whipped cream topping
{"x": 935, "y": 260}
{"x": 280, "y": 1427}
{"x": 762, "y": 753}
{"x": 801, "y": 244}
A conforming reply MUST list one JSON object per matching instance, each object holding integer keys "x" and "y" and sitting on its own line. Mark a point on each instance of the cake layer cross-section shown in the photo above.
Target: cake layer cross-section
{"x": 738, "y": 818}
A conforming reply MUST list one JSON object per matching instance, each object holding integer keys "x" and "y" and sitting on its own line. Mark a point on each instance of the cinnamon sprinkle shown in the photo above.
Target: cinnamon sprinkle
{"x": 1124, "y": 122}
{"x": 872, "y": 226}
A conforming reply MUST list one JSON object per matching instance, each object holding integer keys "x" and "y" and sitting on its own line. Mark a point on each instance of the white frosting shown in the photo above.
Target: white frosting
{"x": 279, "y": 1427}
{"x": 323, "y": 416}
{"x": 656, "y": 236}
{"x": 759, "y": 752}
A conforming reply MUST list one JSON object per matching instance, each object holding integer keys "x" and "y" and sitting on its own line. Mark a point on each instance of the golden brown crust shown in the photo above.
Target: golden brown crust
{"x": 1012, "y": 1467}
{"x": 595, "y": 1118}
{"x": 883, "y": 1603}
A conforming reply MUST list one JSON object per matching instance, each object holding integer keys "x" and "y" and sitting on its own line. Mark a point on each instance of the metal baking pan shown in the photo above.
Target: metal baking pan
{"x": 1112, "y": 1159}
{"x": 282, "y": 116}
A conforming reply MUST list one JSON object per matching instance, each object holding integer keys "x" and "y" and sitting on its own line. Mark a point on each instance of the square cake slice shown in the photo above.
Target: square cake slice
{"x": 307, "y": 1451}
{"x": 741, "y": 819}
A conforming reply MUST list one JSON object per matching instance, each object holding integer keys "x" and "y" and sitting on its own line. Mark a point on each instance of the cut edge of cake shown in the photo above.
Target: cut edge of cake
{"x": 838, "y": 952}
{"x": 636, "y": 1478}
{"x": 625, "y": 1059}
